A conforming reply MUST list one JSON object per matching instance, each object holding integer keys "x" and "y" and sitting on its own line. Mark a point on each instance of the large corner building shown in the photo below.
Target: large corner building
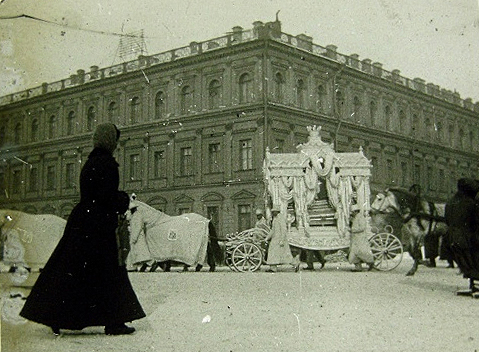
{"x": 196, "y": 122}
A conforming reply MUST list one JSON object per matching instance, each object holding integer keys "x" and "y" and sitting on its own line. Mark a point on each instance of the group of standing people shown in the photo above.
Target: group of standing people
{"x": 279, "y": 252}
{"x": 85, "y": 281}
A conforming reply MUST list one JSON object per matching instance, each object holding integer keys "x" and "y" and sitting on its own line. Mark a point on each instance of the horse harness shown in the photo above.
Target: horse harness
{"x": 431, "y": 217}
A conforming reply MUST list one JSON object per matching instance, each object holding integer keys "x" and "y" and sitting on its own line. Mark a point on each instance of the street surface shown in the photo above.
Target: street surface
{"x": 332, "y": 309}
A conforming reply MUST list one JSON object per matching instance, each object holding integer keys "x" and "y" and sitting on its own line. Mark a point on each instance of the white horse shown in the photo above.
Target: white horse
{"x": 28, "y": 240}
{"x": 420, "y": 219}
{"x": 158, "y": 237}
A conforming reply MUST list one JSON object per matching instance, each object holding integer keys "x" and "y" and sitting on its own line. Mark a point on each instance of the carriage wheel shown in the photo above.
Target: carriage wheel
{"x": 247, "y": 256}
{"x": 228, "y": 259}
{"x": 387, "y": 251}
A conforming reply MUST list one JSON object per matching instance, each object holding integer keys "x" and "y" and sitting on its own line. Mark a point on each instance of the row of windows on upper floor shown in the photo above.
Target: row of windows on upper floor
{"x": 388, "y": 171}
{"x": 134, "y": 168}
{"x": 399, "y": 120}
{"x": 418, "y": 125}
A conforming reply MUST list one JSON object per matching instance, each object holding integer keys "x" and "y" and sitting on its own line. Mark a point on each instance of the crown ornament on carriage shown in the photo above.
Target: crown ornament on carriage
{"x": 314, "y": 139}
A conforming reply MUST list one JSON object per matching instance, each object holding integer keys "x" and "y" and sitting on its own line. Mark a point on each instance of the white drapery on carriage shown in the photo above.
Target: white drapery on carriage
{"x": 293, "y": 182}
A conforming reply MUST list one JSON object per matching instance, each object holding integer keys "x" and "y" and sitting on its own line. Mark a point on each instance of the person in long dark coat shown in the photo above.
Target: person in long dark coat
{"x": 83, "y": 283}
{"x": 462, "y": 221}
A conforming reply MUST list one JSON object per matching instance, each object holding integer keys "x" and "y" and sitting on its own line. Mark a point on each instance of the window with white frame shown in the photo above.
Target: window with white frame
{"x": 246, "y": 154}
{"x": 51, "y": 177}
{"x": 90, "y": 118}
{"x": 134, "y": 167}
{"x": 186, "y": 161}
{"x": 70, "y": 175}
{"x": 214, "y": 157}
{"x": 245, "y": 88}
{"x": 244, "y": 217}
{"x": 71, "y": 123}
{"x": 160, "y": 105}
{"x": 159, "y": 162}
{"x": 214, "y": 94}
{"x": 33, "y": 181}
{"x": 52, "y": 126}
{"x": 134, "y": 110}
{"x": 35, "y": 130}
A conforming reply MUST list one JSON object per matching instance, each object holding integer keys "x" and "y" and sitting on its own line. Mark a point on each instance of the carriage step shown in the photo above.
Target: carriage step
{"x": 323, "y": 223}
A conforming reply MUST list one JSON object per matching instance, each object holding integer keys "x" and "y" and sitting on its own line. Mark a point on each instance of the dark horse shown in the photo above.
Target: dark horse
{"x": 420, "y": 218}
{"x": 189, "y": 239}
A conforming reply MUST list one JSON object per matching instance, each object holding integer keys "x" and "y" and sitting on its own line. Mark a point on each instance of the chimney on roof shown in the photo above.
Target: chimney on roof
{"x": 420, "y": 84}
{"x": 257, "y": 29}
{"x": 81, "y": 76}
{"x": 366, "y": 65}
{"x": 378, "y": 69}
{"x": 468, "y": 104}
{"x": 94, "y": 72}
{"x": 331, "y": 51}
{"x": 237, "y": 33}
{"x": 396, "y": 75}
{"x": 456, "y": 97}
{"x": 305, "y": 42}
{"x": 354, "y": 60}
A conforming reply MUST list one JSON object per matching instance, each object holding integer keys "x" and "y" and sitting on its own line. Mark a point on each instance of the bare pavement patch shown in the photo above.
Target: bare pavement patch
{"x": 332, "y": 309}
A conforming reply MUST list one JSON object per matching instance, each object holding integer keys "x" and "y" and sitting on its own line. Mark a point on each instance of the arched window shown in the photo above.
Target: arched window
{"x": 462, "y": 139}
{"x": 428, "y": 127}
{"x": 186, "y": 99}
{"x": 18, "y": 133}
{"x": 439, "y": 130}
{"x": 112, "y": 112}
{"x": 71, "y": 123}
{"x": 134, "y": 110}
{"x": 356, "y": 115}
{"x": 245, "y": 88}
{"x": 2, "y": 136}
{"x": 320, "y": 96}
{"x": 214, "y": 94}
{"x": 278, "y": 87}
{"x": 415, "y": 127}
{"x": 35, "y": 130}
{"x": 52, "y": 126}
{"x": 339, "y": 104}
{"x": 90, "y": 118}
{"x": 387, "y": 118}
{"x": 373, "y": 109}
{"x": 160, "y": 105}
{"x": 300, "y": 93}
{"x": 402, "y": 121}
{"x": 452, "y": 137}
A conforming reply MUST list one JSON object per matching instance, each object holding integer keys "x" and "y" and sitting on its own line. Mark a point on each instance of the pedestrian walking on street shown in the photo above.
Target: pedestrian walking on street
{"x": 84, "y": 283}
{"x": 463, "y": 225}
{"x": 279, "y": 251}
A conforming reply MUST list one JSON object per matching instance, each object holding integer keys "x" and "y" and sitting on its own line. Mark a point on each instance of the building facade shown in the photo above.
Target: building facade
{"x": 196, "y": 122}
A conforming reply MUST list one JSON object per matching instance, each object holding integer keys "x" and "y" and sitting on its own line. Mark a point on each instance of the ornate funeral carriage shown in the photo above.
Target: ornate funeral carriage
{"x": 318, "y": 188}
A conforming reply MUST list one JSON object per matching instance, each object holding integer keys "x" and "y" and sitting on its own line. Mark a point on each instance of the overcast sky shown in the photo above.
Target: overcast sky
{"x": 437, "y": 40}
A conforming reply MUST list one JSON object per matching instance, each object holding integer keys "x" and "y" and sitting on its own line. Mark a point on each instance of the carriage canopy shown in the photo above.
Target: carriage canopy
{"x": 316, "y": 189}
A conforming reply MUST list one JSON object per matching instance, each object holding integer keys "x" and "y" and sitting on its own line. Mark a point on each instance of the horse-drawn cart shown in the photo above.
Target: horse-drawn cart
{"x": 246, "y": 250}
